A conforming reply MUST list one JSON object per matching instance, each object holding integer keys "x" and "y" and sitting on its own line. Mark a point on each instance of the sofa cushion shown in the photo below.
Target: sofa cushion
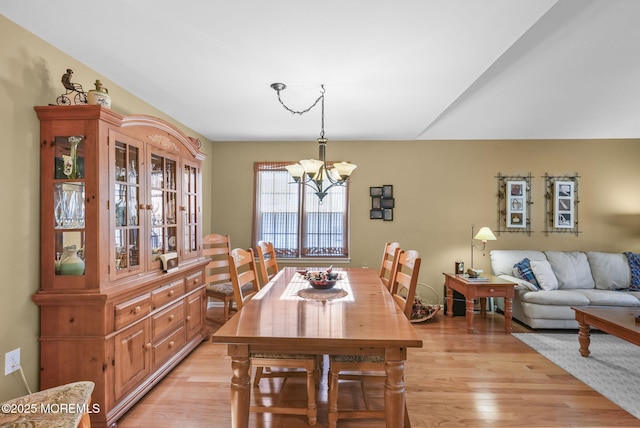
{"x": 571, "y": 269}
{"x": 555, "y": 298}
{"x": 634, "y": 265}
{"x": 544, "y": 274}
{"x": 610, "y": 270}
{"x": 522, "y": 269}
{"x": 502, "y": 261}
{"x": 609, "y": 298}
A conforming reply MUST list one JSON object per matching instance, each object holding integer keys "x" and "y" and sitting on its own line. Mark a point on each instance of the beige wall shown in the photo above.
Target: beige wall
{"x": 441, "y": 188}
{"x": 30, "y": 72}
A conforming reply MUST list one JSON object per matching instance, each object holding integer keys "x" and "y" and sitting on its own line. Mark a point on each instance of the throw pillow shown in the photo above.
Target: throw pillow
{"x": 523, "y": 268}
{"x": 544, "y": 274}
{"x": 634, "y": 264}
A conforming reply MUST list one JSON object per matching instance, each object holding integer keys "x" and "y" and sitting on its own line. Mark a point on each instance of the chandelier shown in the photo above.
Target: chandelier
{"x": 314, "y": 172}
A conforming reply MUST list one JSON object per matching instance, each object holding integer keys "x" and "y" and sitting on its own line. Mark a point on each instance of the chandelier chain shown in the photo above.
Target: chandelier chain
{"x": 301, "y": 112}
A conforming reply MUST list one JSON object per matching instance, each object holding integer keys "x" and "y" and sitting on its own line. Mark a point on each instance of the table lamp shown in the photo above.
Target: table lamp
{"x": 484, "y": 234}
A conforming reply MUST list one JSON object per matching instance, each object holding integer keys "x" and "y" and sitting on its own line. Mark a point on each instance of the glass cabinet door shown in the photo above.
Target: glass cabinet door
{"x": 164, "y": 205}
{"x": 125, "y": 206}
{"x": 69, "y": 205}
{"x": 190, "y": 210}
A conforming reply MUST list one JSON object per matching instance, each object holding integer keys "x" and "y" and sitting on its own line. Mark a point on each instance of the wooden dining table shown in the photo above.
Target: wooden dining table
{"x": 356, "y": 317}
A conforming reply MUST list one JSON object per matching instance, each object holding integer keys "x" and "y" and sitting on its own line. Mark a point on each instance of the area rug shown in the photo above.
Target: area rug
{"x": 612, "y": 368}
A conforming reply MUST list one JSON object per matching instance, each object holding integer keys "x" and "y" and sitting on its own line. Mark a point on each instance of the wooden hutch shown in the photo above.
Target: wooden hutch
{"x": 118, "y": 194}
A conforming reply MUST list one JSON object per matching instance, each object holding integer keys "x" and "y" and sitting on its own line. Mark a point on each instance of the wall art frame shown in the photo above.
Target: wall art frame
{"x": 382, "y": 202}
{"x": 561, "y": 204}
{"x": 514, "y": 203}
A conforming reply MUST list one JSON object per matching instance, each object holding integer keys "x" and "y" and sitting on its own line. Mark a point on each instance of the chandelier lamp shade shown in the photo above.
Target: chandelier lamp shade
{"x": 316, "y": 173}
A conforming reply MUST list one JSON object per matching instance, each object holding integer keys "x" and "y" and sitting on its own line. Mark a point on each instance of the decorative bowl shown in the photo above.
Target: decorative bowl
{"x": 322, "y": 284}
{"x": 321, "y": 280}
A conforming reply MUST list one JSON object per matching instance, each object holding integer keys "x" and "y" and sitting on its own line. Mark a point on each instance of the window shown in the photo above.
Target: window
{"x": 292, "y": 217}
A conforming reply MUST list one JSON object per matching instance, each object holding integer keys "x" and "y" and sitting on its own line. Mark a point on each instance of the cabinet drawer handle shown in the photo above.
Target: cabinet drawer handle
{"x": 141, "y": 206}
{"x": 147, "y": 346}
{"x": 491, "y": 290}
{"x": 171, "y": 317}
{"x": 149, "y": 206}
{"x": 197, "y": 280}
{"x": 188, "y": 318}
{"x": 171, "y": 292}
{"x": 183, "y": 208}
{"x": 171, "y": 344}
{"x": 137, "y": 309}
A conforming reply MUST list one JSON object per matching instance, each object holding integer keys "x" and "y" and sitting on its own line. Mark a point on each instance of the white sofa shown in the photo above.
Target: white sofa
{"x": 574, "y": 279}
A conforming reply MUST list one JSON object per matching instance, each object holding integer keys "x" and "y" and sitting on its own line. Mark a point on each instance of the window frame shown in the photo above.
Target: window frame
{"x": 302, "y": 251}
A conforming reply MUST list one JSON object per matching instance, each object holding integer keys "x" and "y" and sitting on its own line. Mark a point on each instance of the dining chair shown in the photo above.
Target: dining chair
{"x": 244, "y": 273}
{"x": 218, "y": 279}
{"x": 389, "y": 258}
{"x": 268, "y": 261}
{"x": 364, "y": 368}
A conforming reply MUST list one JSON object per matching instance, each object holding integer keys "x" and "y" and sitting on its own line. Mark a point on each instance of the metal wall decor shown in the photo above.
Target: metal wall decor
{"x": 382, "y": 202}
{"x": 561, "y": 203}
{"x": 514, "y": 202}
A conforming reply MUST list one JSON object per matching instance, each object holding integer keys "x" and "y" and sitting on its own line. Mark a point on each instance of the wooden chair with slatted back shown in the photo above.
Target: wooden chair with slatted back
{"x": 268, "y": 261}
{"x": 389, "y": 258}
{"x": 218, "y": 279}
{"x": 244, "y": 273}
{"x": 363, "y": 368}
{"x": 405, "y": 282}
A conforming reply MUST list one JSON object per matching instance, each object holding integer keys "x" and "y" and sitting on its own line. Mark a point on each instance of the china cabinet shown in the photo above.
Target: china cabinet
{"x": 120, "y": 195}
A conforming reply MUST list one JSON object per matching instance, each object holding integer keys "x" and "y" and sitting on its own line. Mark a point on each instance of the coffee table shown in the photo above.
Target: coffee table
{"x": 617, "y": 321}
{"x": 492, "y": 287}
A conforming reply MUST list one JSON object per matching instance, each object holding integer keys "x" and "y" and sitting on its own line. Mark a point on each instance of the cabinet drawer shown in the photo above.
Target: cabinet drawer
{"x": 164, "y": 349}
{"x": 167, "y": 320}
{"x": 167, "y": 293}
{"x": 194, "y": 281}
{"x": 132, "y": 310}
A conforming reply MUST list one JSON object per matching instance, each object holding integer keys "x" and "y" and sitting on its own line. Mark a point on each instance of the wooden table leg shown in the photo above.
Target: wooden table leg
{"x": 583, "y": 338}
{"x": 394, "y": 400}
{"x": 508, "y": 313}
{"x": 449, "y": 302}
{"x": 469, "y": 315}
{"x": 240, "y": 385}
{"x": 483, "y": 307}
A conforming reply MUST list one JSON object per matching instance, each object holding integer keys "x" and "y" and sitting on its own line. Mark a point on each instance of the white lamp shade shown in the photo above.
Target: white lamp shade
{"x": 344, "y": 168}
{"x": 295, "y": 170}
{"x": 311, "y": 166}
{"x": 485, "y": 234}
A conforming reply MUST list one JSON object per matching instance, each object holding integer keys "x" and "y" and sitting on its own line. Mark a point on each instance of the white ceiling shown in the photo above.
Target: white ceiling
{"x": 392, "y": 70}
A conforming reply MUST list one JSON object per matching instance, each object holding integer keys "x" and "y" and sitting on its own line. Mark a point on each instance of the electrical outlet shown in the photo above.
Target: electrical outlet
{"x": 11, "y": 361}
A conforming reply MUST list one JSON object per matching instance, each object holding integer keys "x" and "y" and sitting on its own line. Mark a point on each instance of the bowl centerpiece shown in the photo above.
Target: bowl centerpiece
{"x": 321, "y": 280}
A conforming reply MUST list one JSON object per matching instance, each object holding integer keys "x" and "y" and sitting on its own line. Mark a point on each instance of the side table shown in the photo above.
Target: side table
{"x": 494, "y": 287}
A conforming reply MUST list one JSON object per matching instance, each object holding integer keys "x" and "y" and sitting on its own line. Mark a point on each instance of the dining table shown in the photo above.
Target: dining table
{"x": 356, "y": 317}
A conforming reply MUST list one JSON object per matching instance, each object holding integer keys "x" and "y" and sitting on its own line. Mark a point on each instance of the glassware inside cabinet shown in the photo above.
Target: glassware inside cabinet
{"x": 126, "y": 207}
{"x": 68, "y": 205}
{"x": 69, "y": 157}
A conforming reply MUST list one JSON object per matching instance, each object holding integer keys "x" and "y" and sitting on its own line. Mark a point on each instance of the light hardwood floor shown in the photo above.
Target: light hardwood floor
{"x": 488, "y": 378}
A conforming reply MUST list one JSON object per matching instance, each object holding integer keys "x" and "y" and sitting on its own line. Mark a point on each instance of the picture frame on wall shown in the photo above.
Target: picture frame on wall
{"x": 375, "y": 192}
{"x": 376, "y": 203}
{"x": 563, "y": 204}
{"x": 375, "y": 214}
{"x": 387, "y": 191}
{"x": 387, "y": 203}
{"x": 387, "y": 214}
{"x": 516, "y": 204}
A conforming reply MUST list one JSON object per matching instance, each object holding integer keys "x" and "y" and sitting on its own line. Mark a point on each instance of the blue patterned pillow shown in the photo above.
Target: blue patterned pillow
{"x": 634, "y": 264}
{"x": 524, "y": 269}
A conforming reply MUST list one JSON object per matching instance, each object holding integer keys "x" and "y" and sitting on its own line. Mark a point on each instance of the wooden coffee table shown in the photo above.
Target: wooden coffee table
{"x": 617, "y": 321}
{"x": 494, "y": 287}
